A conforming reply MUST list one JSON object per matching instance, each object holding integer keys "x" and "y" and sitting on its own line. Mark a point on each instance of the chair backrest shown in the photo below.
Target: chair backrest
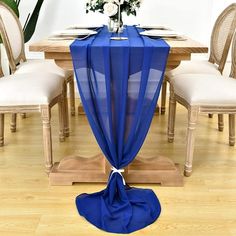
{"x": 233, "y": 58}
{"x": 221, "y": 36}
{"x": 12, "y": 35}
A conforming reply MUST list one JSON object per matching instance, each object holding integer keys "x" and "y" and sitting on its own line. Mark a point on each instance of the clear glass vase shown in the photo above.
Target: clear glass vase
{"x": 113, "y": 24}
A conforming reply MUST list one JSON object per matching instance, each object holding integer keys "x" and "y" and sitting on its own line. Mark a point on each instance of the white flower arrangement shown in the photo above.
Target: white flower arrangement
{"x": 110, "y": 7}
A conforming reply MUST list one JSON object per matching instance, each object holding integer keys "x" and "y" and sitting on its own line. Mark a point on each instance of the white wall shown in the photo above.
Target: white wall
{"x": 194, "y": 18}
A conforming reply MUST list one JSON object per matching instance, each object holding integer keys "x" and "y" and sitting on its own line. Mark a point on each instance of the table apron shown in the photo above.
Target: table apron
{"x": 64, "y": 60}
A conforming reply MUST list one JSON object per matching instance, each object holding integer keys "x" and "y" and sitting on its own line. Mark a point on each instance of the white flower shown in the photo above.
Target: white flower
{"x": 110, "y": 9}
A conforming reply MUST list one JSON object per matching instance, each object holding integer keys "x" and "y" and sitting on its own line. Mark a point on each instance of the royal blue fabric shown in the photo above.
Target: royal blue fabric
{"x": 119, "y": 84}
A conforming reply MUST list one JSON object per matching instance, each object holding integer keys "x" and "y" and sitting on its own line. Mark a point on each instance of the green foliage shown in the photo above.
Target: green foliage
{"x": 30, "y": 25}
{"x": 96, "y": 7}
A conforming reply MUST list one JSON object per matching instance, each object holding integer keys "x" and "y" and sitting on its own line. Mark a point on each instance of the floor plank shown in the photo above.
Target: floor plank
{"x": 206, "y": 205}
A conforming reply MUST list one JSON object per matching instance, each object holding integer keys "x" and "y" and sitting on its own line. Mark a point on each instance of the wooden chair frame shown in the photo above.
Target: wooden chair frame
{"x": 212, "y": 58}
{"x": 13, "y": 62}
{"x": 193, "y": 112}
{"x": 45, "y": 111}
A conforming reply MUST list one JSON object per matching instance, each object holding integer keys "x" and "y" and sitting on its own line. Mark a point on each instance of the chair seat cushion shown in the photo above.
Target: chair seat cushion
{"x": 42, "y": 65}
{"x": 194, "y": 67}
{"x": 204, "y": 89}
{"x": 30, "y": 89}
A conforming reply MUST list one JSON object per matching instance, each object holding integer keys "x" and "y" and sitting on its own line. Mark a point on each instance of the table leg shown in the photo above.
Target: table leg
{"x": 74, "y": 169}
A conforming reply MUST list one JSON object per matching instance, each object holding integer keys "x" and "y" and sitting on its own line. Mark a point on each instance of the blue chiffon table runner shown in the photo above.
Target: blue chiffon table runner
{"x": 119, "y": 83}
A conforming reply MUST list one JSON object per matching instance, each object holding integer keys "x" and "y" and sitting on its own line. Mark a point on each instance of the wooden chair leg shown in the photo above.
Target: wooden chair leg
{"x": 61, "y": 120}
{"x": 192, "y": 120}
{"x": 163, "y": 96}
{"x": 231, "y": 129}
{"x": 171, "y": 116}
{"x": 220, "y": 122}
{"x": 47, "y": 138}
{"x": 72, "y": 96}
{"x": 65, "y": 113}
{"x": 1, "y": 130}
{"x": 13, "y": 122}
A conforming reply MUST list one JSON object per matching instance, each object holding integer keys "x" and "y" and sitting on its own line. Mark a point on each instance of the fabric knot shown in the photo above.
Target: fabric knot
{"x": 119, "y": 171}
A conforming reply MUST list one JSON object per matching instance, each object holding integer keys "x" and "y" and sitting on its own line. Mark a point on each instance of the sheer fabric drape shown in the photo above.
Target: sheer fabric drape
{"x": 119, "y": 84}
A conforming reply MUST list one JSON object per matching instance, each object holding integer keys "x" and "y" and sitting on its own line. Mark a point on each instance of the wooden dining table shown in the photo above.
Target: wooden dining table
{"x": 73, "y": 169}
{"x": 180, "y": 50}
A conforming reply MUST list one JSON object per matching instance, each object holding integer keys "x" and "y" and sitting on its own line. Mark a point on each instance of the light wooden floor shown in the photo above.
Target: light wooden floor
{"x": 206, "y": 205}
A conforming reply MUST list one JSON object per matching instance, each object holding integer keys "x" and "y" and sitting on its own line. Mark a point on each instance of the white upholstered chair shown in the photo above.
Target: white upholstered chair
{"x": 203, "y": 93}
{"x": 221, "y": 38}
{"x": 13, "y": 40}
{"x": 34, "y": 92}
